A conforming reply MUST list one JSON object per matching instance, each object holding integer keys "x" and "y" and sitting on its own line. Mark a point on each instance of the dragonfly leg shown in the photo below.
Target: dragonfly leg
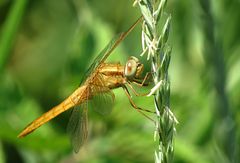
{"x": 135, "y": 106}
{"x": 140, "y": 84}
{"x": 135, "y": 92}
{"x": 143, "y": 82}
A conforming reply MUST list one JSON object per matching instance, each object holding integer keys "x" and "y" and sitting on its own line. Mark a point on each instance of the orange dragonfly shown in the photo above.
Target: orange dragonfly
{"x": 95, "y": 91}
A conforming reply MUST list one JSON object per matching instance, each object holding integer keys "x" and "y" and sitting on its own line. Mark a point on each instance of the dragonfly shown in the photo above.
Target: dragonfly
{"x": 95, "y": 91}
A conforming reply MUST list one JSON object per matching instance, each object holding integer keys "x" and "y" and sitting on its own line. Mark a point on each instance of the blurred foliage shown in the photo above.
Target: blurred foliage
{"x": 46, "y": 46}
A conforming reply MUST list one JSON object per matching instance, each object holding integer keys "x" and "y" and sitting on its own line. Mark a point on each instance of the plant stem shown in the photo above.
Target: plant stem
{"x": 154, "y": 42}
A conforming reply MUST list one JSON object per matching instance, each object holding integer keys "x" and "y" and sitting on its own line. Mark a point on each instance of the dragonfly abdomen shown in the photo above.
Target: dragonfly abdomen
{"x": 74, "y": 99}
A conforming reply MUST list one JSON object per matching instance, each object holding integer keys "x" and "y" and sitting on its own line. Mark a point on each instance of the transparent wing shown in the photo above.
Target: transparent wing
{"x": 78, "y": 126}
{"x": 102, "y": 56}
{"x": 102, "y": 103}
{"x": 103, "y": 98}
{"x": 108, "y": 50}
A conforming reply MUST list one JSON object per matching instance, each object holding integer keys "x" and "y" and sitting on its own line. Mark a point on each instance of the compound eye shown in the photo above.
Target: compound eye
{"x": 130, "y": 68}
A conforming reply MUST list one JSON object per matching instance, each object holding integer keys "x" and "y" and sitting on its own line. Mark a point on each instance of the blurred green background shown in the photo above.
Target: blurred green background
{"x": 46, "y": 47}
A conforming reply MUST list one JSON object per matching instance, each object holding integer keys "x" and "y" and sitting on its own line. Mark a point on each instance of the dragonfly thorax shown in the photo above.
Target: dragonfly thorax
{"x": 133, "y": 68}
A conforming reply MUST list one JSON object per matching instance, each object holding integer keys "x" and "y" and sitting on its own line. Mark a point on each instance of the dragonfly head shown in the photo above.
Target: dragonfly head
{"x": 133, "y": 68}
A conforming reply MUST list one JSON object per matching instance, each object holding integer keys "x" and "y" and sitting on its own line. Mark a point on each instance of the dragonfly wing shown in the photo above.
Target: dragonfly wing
{"x": 102, "y": 56}
{"x": 102, "y": 102}
{"x": 78, "y": 126}
{"x": 103, "y": 98}
{"x": 115, "y": 41}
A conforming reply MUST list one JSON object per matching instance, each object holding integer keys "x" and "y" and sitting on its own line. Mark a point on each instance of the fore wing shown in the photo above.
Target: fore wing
{"x": 108, "y": 50}
{"x": 114, "y": 43}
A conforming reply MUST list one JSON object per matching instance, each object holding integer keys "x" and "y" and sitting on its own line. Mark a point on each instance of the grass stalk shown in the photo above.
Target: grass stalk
{"x": 154, "y": 44}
